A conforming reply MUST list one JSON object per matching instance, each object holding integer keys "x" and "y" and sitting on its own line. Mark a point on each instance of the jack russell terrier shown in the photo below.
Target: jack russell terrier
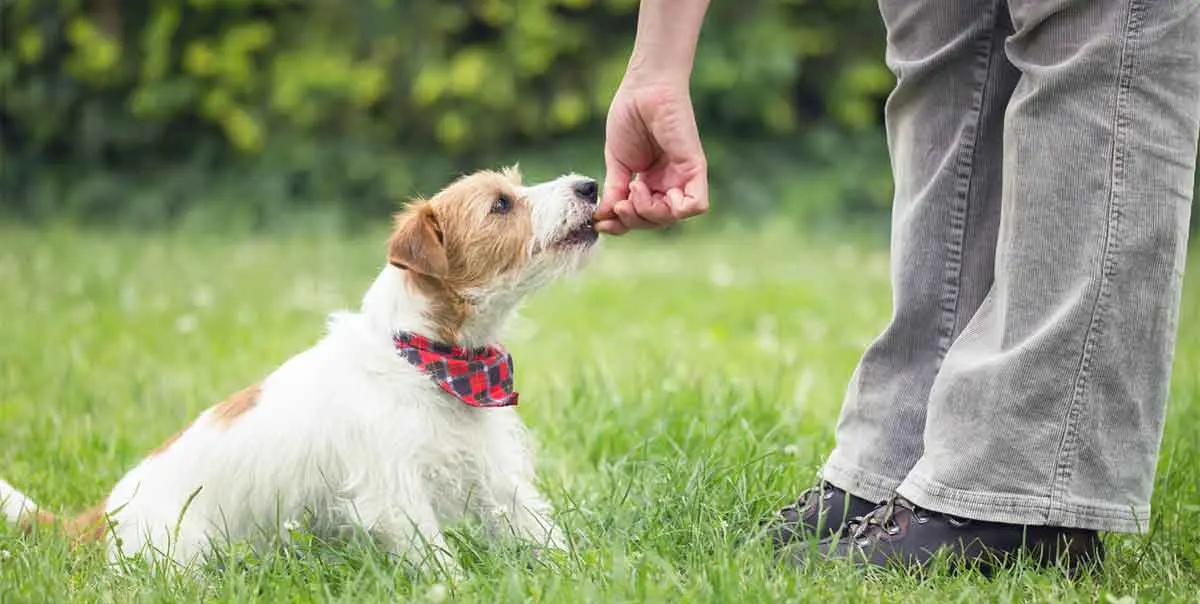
{"x": 400, "y": 420}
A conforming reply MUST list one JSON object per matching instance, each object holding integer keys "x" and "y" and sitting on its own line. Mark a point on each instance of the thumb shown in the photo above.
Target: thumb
{"x": 616, "y": 186}
{"x": 695, "y": 195}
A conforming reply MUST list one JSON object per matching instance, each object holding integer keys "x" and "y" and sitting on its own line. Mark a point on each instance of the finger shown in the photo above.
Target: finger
{"x": 681, "y": 207}
{"x": 616, "y": 185}
{"x": 693, "y": 200}
{"x": 603, "y": 213}
{"x": 629, "y": 216}
{"x": 655, "y": 210}
{"x": 611, "y": 227}
{"x": 650, "y": 207}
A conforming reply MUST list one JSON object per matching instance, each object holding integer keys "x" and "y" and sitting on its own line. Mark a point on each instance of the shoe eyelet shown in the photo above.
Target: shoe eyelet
{"x": 892, "y": 529}
{"x": 922, "y": 519}
{"x": 828, "y": 495}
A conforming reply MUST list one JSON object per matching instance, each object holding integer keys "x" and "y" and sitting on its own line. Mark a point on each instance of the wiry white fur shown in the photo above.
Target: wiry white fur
{"x": 348, "y": 435}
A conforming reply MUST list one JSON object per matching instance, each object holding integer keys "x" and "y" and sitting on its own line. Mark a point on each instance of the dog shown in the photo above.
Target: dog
{"x": 399, "y": 421}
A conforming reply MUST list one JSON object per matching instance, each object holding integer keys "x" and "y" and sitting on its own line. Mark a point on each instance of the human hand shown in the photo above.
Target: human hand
{"x": 651, "y": 132}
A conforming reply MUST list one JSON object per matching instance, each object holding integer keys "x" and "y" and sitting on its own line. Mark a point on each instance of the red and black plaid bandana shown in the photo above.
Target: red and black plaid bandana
{"x": 479, "y": 377}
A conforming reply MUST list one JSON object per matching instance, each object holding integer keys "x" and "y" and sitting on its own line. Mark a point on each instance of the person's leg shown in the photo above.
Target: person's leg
{"x": 1045, "y": 420}
{"x": 944, "y": 121}
{"x": 1049, "y": 407}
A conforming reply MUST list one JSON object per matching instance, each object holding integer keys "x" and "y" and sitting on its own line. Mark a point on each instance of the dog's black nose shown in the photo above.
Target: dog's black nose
{"x": 586, "y": 190}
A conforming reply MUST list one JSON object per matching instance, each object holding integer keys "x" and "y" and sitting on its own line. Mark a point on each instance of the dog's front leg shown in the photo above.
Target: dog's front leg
{"x": 519, "y": 508}
{"x": 408, "y": 528}
{"x": 512, "y": 504}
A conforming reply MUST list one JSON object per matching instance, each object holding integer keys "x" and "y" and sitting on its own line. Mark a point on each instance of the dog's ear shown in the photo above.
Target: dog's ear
{"x": 512, "y": 173}
{"x": 416, "y": 243}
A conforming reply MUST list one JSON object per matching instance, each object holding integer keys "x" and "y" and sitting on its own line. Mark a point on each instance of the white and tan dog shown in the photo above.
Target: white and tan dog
{"x": 358, "y": 431}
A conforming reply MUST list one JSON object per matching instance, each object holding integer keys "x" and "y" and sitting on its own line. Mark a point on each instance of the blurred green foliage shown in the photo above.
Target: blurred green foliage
{"x": 245, "y": 111}
{"x": 144, "y": 109}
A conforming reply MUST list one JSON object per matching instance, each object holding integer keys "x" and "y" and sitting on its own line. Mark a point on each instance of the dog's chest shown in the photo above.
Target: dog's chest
{"x": 456, "y": 465}
{"x": 448, "y": 449}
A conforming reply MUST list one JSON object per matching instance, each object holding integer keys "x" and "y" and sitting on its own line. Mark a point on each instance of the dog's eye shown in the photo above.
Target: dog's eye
{"x": 502, "y": 205}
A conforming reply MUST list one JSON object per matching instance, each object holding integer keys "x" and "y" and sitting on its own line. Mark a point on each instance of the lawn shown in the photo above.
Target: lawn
{"x": 681, "y": 389}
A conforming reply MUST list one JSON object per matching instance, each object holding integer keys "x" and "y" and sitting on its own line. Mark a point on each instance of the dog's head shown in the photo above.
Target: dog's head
{"x": 485, "y": 241}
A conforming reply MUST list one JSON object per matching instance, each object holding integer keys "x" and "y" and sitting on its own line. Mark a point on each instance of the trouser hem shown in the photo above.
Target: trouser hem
{"x": 857, "y": 481}
{"x": 1023, "y": 509}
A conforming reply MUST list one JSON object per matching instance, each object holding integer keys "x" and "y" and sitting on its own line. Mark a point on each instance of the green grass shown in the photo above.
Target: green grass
{"x": 681, "y": 389}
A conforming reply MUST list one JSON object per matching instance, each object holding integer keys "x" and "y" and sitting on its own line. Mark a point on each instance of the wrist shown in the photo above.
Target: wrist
{"x": 651, "y": 67}
{"x": 664, "y": 49}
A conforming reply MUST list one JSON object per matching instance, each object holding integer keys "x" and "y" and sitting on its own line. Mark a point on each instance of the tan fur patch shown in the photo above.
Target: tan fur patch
{"x": 416, "y": 244}
{"x": 224, "y": 412}
{"x": 242, "y": 401}
{"x": 477, "y": 244}
{"x": 42, "y": 518}
{"x": 90, "y": 525}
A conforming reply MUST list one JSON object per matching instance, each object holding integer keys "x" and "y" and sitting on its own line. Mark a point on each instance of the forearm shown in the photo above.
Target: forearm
{"x": 665, "y": 47}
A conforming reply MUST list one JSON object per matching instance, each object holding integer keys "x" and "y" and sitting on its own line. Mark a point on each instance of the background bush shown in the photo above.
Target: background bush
{"x": 134, "y": 108}
{"x": 252, "y": 110}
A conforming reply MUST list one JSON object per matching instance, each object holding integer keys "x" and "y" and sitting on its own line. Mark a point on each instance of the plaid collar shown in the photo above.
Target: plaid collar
{"x": 479, "y": 377}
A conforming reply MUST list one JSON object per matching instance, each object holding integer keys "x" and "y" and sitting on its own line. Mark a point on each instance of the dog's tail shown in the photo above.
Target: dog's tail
{"x": 20, "y": 510}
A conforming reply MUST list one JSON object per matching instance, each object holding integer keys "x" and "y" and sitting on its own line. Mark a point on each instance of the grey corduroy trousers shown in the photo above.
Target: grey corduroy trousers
{"x": 1043, "y": 153}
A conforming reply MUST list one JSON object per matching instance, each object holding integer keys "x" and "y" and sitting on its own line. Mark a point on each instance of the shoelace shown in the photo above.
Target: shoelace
{"x": 822, "y": 489}
{"x": 884, "y": 517}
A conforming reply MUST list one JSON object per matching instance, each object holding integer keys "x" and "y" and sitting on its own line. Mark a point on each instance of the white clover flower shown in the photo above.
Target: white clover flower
{"x": 438, "y": 593}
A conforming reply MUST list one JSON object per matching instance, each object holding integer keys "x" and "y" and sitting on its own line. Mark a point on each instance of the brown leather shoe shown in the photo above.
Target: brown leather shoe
{"x": 819, "y": 512}
{"x": 900, "y": 534}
